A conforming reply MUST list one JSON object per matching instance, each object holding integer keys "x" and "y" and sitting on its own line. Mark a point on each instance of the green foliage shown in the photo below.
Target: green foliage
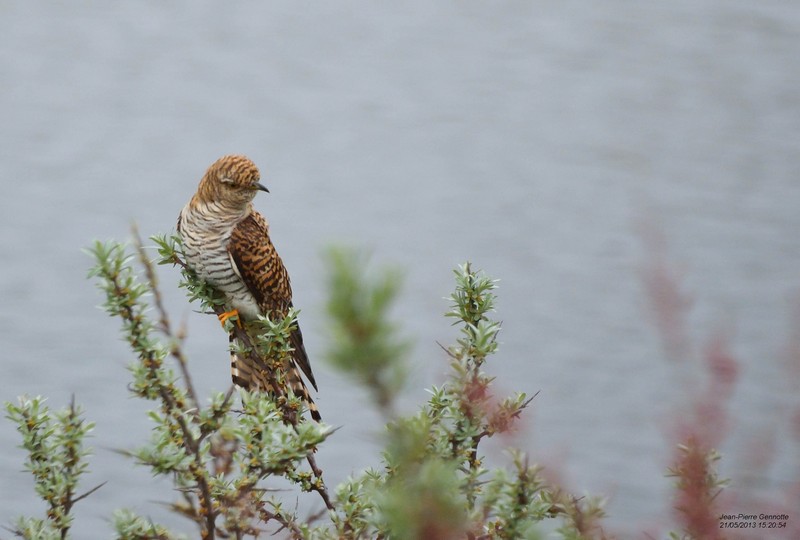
{"x": 197, "y": 290}
{"x": 364, "y": 343}
{"x": 129, "y": 526}
{"x": 432, "y": 481}
{"x": 56, "y": 459}
{"x": 216, "y": 457}
{"x": 273, "y": 337}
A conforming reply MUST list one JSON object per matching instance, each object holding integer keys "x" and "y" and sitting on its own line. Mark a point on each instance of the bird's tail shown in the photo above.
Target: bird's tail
{"x": 252, "y": 376}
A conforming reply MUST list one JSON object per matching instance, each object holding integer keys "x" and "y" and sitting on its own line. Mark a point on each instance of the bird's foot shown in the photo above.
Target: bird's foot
{"x": 224, "y": 317}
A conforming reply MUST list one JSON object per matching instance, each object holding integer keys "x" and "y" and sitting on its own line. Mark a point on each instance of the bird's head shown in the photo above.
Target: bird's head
{"x": 231, "y": 180}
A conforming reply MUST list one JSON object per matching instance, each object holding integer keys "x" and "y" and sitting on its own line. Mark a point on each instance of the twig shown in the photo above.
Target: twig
{"x": 448, "y": 351}
{"x": 285, "y": 523}
{"x": 170, "y": 404}
{"x": 321, "y": 488}
{"x": 163, "y": 321}
{"x": 95, "y": 488}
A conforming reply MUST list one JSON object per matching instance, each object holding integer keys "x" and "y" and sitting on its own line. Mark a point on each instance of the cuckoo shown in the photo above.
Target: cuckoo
{"x": 226, "y": 242}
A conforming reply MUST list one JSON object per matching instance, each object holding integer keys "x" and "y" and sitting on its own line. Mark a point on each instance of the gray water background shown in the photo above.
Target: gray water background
{"x": 532, "y": 138}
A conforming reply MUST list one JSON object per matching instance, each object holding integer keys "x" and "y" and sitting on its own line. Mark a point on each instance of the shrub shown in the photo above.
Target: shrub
{"x": 221, "y": 453}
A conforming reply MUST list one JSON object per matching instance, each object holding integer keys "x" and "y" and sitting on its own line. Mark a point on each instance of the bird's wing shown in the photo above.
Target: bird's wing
{"x": 256, "y": 261}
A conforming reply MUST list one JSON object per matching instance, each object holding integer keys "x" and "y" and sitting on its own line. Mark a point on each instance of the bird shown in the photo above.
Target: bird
{"x": 226, "y": 243}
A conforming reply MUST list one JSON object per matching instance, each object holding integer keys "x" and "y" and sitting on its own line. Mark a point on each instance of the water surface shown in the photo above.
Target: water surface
{"x": 533, "y": 139}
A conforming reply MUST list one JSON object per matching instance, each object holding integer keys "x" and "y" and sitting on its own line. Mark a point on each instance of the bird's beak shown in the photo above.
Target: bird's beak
{"x": 261, "y": 187}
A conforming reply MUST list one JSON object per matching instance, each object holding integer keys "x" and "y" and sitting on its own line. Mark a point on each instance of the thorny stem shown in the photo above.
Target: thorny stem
{"x": 70, "y": 462}
{"x": 171, "y": 406}
{"x": 163, "y": 318}
{"x": 287, "y": 524}
{"x": 95, "y": 488}
{"x": 319, "y": 487}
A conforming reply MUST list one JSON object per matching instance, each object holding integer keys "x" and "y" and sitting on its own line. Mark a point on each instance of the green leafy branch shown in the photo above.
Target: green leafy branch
{"x": 56, "y": 459}
{"x": 432, "y": 481}
{"x": 216, "y": 462}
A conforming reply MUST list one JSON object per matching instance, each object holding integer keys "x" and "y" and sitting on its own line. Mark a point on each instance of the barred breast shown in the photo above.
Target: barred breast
{"x": 205, "y": 229}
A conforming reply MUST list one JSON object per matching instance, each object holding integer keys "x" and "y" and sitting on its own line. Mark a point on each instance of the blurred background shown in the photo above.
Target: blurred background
{"x": 536, "y": 139}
